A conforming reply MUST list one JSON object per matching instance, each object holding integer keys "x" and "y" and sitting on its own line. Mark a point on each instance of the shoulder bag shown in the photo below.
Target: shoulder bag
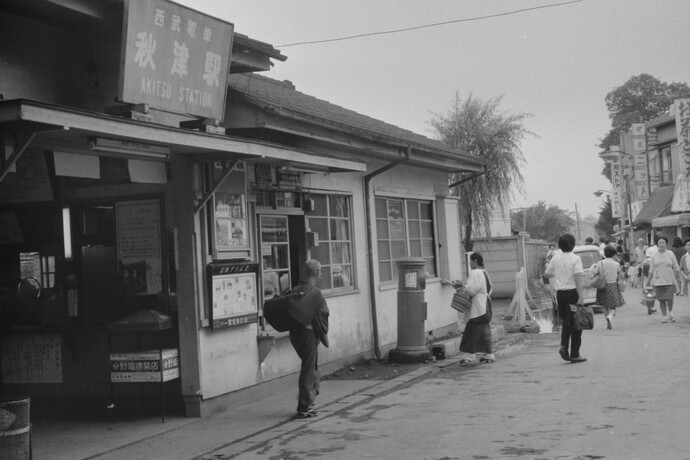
{"x": 583, "y": 318}
{"x": 599, "y": 282}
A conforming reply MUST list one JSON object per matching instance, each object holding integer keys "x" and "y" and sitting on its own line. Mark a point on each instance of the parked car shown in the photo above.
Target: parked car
{"x": 590, "y": 256}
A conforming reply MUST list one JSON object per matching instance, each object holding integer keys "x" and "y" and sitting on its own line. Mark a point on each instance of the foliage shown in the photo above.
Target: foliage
{"x": 640, "y": 99}
{"x": 604, "y": 225}
{"x": 542, "y": 222}
{"x": 478, "y": 128}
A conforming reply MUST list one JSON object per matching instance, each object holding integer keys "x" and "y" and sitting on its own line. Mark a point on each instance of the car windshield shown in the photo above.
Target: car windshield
{"x": 589, "y": 258}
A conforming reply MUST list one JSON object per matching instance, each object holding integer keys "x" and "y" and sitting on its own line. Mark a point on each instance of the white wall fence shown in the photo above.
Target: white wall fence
{"x": 505, "y": 256}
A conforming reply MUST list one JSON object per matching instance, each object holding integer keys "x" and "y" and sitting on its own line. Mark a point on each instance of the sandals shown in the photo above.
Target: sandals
{"x": 466, "y": 362}
{"x": 487, "y": 360}
{"x": 311, "y": 413}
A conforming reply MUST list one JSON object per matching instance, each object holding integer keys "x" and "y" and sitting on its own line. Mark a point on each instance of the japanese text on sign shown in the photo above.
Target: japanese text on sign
{"x": 175, "y": 58}
{"x": 682, "y": 108}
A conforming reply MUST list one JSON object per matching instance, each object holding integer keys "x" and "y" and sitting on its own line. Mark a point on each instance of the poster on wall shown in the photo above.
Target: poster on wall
{"x": 230, "y": 229}
{"x": 32, "y": 358}
{"x": 29, "y": 181}
{"x": 233, "y": 294}
{"x": 139, "y": 246}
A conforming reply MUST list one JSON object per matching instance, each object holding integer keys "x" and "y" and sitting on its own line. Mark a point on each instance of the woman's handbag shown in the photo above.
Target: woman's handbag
{"x": 583, "y": 318}
{"x": 462, "y": 301}
{"x": 599, "y": 282}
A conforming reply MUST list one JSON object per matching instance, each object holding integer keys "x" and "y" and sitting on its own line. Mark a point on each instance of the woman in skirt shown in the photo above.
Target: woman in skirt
{"x": 663, "y": 268}
{"x": 609, "y": 297}
{"x": 476, "y": 338}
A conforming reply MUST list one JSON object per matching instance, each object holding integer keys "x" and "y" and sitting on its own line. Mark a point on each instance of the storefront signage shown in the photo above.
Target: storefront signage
{"x": 289, "y": 180}
{"x": 681, "y": 195}
{"x": 616, "y": 191}
{"x": 30, "y": 180}
{"x": 175, "y": 58}
{"x": 682, "y": 110}
{"x": 145, "y": 366}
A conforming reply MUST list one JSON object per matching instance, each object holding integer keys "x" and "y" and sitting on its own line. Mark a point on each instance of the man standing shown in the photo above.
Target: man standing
{"x": 308, "y": 307}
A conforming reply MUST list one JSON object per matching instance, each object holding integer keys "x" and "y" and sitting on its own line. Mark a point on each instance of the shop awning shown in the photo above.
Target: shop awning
{"x": 657, "y": 205}
{"x": 70, "y": 130}
{"x": 673, "y": 220}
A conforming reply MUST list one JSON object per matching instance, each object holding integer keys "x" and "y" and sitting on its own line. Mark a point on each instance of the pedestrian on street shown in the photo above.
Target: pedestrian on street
{"x": 684, "y": 266}
{"x": 640, "y": 250}
{"x": 476, "y": 338}
{"x": 678, "y": 249}
{"x": 609, "y": 297}
{"x": 309, "y": 309}
{"x": 663, "y": 268}
{"x": 566, "y": 270}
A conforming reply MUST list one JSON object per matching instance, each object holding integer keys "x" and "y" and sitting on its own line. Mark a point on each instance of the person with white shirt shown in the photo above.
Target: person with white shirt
{"x": 565, "y": 270}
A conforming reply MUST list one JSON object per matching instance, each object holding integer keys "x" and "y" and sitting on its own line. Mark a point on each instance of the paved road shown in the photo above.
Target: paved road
{"x": 630, "y": 400}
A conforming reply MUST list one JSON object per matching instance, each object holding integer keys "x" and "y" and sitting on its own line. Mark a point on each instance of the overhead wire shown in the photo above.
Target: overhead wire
{"x": 426, "y": 26}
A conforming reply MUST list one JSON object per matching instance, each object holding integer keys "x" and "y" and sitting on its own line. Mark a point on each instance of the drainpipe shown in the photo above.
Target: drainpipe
{"x": 370, "y": 241}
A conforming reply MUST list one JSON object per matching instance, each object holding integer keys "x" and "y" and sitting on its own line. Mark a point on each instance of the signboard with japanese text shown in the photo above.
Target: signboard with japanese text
{"x": 616, "y": 191}
{"x": 175, "y": 58}
{"x": 145, "y": 366}
{"x": 233, "y": 294}
{"x": 681, "y": 195}
{"x": 682, "y": 110}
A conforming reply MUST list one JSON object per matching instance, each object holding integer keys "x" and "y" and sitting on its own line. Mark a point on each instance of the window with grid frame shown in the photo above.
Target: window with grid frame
{"x": 404, "y": 228}
{"x": 331, "y": 220}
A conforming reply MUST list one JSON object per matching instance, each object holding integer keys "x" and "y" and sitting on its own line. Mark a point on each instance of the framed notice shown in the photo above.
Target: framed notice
{"x": 233, "y": 294}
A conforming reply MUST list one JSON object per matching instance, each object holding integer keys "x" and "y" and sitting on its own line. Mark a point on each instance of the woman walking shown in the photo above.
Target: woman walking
{"x": 476, "y": 338}
{"x": 663, "y": 269}
{"x": 609, "y": 297}
{"x": 566, "y": 270}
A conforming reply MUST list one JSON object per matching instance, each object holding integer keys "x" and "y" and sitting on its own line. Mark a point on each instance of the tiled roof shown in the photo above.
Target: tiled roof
{"x": 273, "y": 94}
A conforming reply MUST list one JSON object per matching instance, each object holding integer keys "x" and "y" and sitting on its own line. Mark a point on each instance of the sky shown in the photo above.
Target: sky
{"x": 556, "y": 61}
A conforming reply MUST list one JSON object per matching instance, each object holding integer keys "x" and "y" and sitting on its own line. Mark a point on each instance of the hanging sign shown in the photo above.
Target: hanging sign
{"x": 682, "y": 110}
{"x": 175, "y": 58}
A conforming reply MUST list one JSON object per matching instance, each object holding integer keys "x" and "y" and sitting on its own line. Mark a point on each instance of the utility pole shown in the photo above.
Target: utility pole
{"x": 577, "y": 217}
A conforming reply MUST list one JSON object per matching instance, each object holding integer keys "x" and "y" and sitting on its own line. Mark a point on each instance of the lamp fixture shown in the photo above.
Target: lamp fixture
{"x": 303, "y": 169}
{"x": 129, "y": 149}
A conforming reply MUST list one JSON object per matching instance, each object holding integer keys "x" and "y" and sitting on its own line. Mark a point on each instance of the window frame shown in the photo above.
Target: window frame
{"x": 430, "y": 261}
{"x": 329, "y": 218}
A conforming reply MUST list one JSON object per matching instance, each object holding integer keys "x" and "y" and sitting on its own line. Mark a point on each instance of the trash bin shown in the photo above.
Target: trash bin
{"x": 15, "y": 428}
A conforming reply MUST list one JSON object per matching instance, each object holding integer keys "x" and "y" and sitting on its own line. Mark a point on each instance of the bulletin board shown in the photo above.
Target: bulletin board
{"x": 233, "y": 294}
{"x": 139, "y": 246}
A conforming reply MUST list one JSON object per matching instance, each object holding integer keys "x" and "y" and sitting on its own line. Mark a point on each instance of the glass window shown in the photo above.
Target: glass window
{"x": 404, "y": 229}
{"x": 331, "y": 221}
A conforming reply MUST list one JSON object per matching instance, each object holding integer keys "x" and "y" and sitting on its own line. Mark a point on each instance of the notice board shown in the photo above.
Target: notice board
{"x": 139, "y": 246}
{"x": 233, "y": 294}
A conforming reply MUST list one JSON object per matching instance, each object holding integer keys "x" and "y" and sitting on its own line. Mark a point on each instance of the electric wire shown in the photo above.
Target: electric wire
{"x": 426, "y": 26}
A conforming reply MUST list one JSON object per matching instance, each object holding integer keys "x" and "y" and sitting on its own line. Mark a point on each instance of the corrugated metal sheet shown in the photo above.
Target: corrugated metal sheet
{"x": 658, "y": 205}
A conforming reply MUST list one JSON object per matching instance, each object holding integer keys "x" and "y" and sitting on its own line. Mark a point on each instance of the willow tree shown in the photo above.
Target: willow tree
{"x": 480, "y": 128}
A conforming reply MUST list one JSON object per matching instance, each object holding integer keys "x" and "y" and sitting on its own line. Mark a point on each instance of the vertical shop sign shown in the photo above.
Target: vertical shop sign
{"x": 616, "y": 181}
{"x": 175, "y": 58}
{"x": 682, "y": 109}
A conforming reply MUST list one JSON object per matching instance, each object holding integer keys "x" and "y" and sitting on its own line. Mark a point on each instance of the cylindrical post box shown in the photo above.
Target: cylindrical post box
{"x": 411, "y": 344}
